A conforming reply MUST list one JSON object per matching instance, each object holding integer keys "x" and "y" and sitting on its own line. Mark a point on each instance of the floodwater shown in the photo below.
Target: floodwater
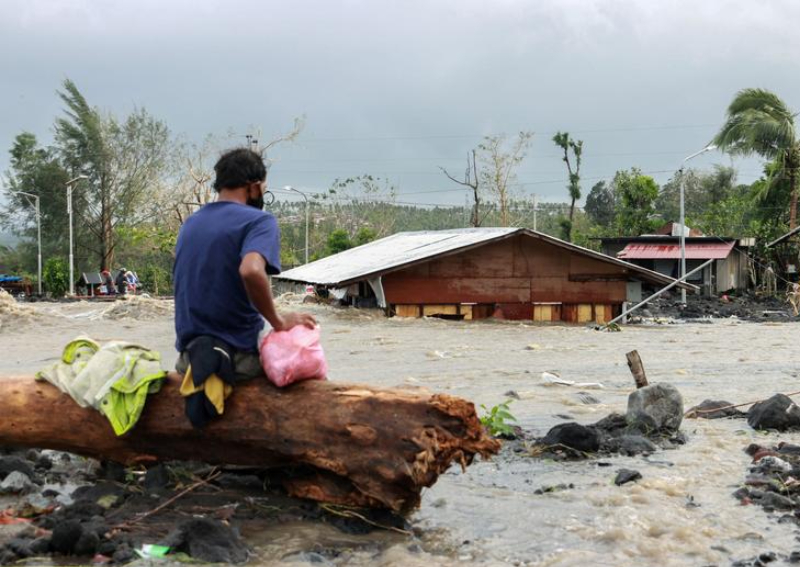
{"x": 680, "y": 513}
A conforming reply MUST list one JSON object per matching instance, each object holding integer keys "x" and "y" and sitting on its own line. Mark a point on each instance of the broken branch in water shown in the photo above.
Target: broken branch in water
{"x": 694, "y": 412}
{"x": 127, "y": 524}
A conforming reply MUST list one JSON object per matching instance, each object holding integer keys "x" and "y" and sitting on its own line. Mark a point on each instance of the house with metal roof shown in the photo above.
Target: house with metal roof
{"x": 661, "y": 253}
{"x": 475, "y": 273}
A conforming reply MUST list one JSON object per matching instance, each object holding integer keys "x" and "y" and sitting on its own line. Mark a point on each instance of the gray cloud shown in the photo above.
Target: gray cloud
{"x": 399, "y": 88}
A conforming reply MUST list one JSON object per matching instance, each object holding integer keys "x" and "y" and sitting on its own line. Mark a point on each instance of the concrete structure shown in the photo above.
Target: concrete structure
{"x": 513, "y": 273}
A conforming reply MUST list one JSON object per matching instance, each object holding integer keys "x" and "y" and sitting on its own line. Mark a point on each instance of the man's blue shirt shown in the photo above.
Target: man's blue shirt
{"x": 210, "y": 298}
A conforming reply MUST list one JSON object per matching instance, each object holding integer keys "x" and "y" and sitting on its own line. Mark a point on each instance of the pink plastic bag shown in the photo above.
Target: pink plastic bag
{"x": 293, "y": 355}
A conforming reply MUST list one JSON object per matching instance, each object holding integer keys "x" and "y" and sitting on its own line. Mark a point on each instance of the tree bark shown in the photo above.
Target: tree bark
{"x": 793, "y": 185}
{"x": 341, "y": 443}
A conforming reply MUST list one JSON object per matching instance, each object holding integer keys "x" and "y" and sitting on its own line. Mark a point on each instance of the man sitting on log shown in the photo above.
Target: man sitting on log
{"x": 224, "y": 254}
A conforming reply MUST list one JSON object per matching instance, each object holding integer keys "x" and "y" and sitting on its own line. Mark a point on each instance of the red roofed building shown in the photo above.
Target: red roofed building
{"x": 661, "y": 252}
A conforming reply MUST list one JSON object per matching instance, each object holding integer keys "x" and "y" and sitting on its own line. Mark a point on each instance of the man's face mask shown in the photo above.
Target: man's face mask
{"x": 257, "y": 202}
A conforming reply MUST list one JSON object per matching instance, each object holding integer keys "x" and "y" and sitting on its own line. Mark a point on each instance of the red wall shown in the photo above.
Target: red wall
{"x": 522, "y": 269}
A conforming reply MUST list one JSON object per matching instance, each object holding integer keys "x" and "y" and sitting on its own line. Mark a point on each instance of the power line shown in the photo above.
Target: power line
{"x": 471, "y": 136}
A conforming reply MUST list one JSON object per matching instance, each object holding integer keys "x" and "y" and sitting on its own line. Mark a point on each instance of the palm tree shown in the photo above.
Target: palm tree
{"x": 759, "y": 122}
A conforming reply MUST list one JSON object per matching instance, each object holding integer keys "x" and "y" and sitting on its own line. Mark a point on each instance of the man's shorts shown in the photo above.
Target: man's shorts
{"x": 247, "y": 365}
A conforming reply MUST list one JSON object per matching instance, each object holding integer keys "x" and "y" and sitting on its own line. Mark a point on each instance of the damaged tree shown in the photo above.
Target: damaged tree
{"x": 341, "y": 443}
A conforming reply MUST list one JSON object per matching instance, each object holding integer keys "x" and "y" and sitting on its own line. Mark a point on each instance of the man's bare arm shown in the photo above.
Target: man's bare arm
{"x": 253, "y": 271}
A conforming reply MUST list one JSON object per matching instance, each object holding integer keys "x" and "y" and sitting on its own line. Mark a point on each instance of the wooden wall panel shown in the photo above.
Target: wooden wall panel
{"x": 407, "y": 310}
{"x": 554, "y": 289}
{"x": 579, "y": 264}
{"x": 482, "y": 311}
{"x": 516, "y": 311}
{"x": 466, "y": 290}
{"x": 489, "y": 261}
{"x": 585, "y": 313}
{"x": 542, "y": 313}
{"x": 535, "y": 258}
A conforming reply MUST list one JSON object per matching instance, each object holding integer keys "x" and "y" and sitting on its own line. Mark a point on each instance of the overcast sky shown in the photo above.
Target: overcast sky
{"x": 397, "y": 89}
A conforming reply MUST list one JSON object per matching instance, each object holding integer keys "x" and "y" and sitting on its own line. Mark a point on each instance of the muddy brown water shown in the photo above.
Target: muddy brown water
{"x": 680, "y": 513}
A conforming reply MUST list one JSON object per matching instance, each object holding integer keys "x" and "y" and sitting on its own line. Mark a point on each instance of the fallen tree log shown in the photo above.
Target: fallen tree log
{"x": 341, "y": 443}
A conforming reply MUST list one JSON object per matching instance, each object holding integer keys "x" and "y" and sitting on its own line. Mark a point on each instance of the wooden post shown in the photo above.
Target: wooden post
{"x": 637, "y": 369}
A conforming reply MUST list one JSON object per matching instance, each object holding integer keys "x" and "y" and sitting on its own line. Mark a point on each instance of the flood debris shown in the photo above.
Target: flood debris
{"x": 773, "y": 482}
{"x": 553, "y": 379}
{"x": 193, "y": 512}
{"x": 714, "y": 409}
{"x": 637, "y": 368}
{"x": 747, "y": 307}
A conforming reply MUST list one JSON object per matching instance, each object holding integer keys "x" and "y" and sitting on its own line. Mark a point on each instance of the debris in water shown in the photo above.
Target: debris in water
{"x": 552, "y": 379}
{"x": 714, "y": 409}
{"x": 137, "y": 307}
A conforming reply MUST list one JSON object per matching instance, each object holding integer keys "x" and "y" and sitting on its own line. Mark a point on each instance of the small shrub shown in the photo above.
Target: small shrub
{"x": 495, "y": 420}
{"x": 55, "y": 276}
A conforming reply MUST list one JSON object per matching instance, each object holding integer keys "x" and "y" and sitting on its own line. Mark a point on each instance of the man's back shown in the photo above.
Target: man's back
{"x": 210, "y": 298}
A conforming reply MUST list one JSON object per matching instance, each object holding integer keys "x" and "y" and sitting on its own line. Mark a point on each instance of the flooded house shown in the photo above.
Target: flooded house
{"x": 661, "y": 252}
{"x": 476, "y": 273}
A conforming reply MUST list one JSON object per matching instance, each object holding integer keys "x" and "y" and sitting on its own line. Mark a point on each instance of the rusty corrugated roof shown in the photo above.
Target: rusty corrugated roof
{"x": 408, "y": 248}
{"x": 694, "y": 251}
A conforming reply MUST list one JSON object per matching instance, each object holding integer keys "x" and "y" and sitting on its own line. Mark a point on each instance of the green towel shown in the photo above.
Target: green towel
{"x": 114, "y": 378}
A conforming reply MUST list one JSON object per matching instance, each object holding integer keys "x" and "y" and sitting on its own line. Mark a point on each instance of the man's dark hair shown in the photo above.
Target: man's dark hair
{"x": 237, "y": 168}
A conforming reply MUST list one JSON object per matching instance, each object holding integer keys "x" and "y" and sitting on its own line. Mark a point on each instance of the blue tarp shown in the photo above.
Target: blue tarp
{"x": 5, "y": 278}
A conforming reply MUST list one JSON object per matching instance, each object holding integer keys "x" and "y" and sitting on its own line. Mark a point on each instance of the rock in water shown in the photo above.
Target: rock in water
{"x": 209, "y": 541}
{"x": 625, "y": 476}
{"x": 631, "y": 445}
{"x": 575, "y": 436}
{"x": 16, "y": 483}
{"x": 11, "y": 463}
{"x": 65, "y": 536}
{"x": 657, "y": 407}
{"x": 778, "y": 412}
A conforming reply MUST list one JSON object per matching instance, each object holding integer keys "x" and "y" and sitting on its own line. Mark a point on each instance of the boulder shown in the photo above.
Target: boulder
{"x": 657, "y": 407}
{"x": 631, "y": 445}
{"x": 625, "y": 476}
{"x": 13, "y": 463}
{"x": 778, "y": 412}
{"x": 16, "y": 483}
{"x": 575, "y": 436}
{"x": 209, "y": 541}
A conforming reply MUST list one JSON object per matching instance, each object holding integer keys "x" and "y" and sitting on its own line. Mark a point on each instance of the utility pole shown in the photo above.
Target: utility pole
{"x": 38, "y": 234}
{"x": 70, "y": 184}
{"x": 305, "y": 198}
{"x": 534, "y": 211}
{"x": 683, "y": 219}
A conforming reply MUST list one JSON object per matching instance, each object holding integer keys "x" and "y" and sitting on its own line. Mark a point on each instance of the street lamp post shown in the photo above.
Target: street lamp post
{"x": 305, "y": 198}
{"x": 70, "y": 184}
{"x": 682, "y": 219}
{"x": 38, "y": 234}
